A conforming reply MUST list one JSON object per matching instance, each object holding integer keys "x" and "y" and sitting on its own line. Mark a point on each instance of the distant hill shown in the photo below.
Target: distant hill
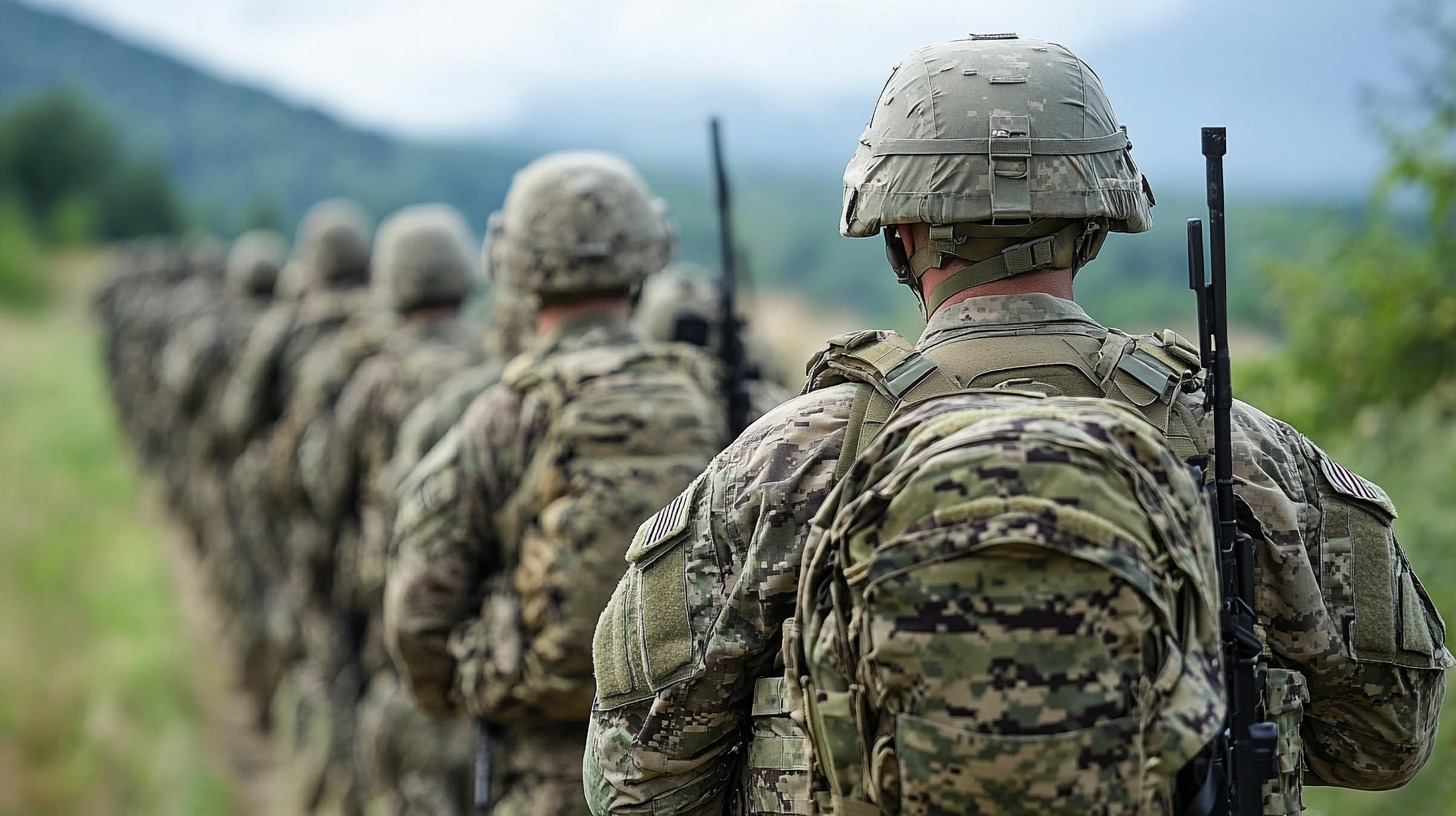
{"x": 232, "y": 147}
{"x": 235, "y": 149}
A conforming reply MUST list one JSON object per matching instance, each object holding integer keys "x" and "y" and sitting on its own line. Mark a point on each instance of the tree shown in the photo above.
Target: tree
{"x": 1372, "y": 321}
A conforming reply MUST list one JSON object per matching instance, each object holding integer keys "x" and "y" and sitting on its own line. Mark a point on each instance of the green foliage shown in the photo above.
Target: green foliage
{"x": 99, "y": 681}
{"x": 1372, "y": 320}
{"x": 55, "y": 147}
{"x": 1369, "y": 367}
{"x": 22, "y": 287}
{"x": 66, "y": 164}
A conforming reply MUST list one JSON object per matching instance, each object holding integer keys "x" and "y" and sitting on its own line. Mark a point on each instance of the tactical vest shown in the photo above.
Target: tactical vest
{"x": 1155, "y": 374}
{"x": 630, "y": 427}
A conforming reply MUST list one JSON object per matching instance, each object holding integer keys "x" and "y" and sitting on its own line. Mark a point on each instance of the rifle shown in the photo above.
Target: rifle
{"x": 730, "y": 348}
{"x": 483, "y": 767}
{"x": 1243, "y": 756}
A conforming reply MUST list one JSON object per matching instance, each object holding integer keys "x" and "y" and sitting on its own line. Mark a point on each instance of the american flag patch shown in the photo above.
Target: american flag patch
{"x": 1346, "y": 482}
{"x": 667, "y": 522}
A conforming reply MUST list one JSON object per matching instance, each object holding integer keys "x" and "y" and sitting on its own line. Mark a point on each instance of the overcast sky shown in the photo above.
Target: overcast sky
{"x": 455, "y": 66}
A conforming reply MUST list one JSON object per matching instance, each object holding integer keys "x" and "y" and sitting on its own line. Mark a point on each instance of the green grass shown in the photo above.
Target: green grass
{"x": 98, "y": 677}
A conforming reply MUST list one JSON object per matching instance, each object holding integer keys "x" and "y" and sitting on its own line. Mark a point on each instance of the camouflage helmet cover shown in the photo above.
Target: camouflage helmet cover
{"x": 332, "y": 245}
{"x": 422, "y": 258}
{"x": 681, "y": 303}
{"x": 253, "y": 263}
{"x": 579, "y": 222}
{"x": 993, "y": 128}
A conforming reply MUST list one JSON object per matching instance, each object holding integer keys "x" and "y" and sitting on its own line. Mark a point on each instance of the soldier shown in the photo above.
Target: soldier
{"x": 508, "y": 528}
{"x": 331, "y": 259}
{"x": 194, "y": 369}
{"x": 510, "y": 324}
{"x": 995, "y": 168}
{"x": 683, "y": 304}
{"x": 422, "y": 272}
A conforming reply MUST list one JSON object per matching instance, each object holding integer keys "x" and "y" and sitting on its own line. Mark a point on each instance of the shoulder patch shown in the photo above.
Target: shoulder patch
{"x": 665, "y": 524}
{"x": 1348, "y": 483}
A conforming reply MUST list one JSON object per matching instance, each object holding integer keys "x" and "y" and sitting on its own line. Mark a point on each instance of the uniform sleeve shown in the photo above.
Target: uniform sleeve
{"x": 1340, "y": 604}
{"x": 443, "y": 548}
{"x": 696, "y": 619}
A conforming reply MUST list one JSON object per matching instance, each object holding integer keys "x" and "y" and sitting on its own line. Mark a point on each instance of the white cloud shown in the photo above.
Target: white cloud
{"x": 453, "y": 65}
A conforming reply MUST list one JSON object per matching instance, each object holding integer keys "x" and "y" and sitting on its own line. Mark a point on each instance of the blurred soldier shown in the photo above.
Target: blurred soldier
{"x": 156, "y": 285}
{"x": 331, "y": 256}
{"x": 508, "y": 530}
{"x": 194, "y": 370}
{"x": 683, "y": 304}
{"x": 995, "y": 168}
{"x": 422, "y": 271}
{"x": 510, "y": 324}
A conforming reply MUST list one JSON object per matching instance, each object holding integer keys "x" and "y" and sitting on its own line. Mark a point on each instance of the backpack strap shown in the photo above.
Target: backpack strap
{"x": 888, "y": 369}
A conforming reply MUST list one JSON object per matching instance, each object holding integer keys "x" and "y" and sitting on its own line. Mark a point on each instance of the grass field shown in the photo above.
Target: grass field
{"x": 99, "y": 683}
{"x": 103, "y": 690}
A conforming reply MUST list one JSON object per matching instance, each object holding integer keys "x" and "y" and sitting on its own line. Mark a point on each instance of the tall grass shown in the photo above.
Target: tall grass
{"x": 99, "y": 709}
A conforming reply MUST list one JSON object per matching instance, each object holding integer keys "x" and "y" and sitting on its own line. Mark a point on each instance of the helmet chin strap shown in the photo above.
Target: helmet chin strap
{"x": 1053, "y": 244}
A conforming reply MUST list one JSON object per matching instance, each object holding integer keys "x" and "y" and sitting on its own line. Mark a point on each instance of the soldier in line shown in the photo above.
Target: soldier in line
{"x": 507, "y": 527}
{"x": 331, "y": 258}
{"x": 683, "y": 304}
{"x": 989, "y": 239}
{"x": 407, "y": 762}
{"x": 510, "y": 325}
{"x": 194, "y": 369}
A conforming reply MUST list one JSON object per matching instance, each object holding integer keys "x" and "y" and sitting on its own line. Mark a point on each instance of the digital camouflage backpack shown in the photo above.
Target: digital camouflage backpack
{"x": 1008, "y": 605}
{"x": 630, "y": 426}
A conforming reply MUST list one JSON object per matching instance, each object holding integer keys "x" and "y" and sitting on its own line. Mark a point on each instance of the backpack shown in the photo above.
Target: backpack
{"x": 630, "y": 426}
{"x": 1007, "y": 605}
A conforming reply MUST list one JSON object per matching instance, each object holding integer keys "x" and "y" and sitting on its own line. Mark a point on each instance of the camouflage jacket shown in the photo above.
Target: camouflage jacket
{"x": 449, "y": 535}
{"x": 1336, "y": 598}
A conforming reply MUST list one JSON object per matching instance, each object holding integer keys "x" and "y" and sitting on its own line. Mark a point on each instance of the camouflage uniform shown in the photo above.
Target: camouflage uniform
{"x": 1373, "y": 717}
{"x": 473, "y": 595}
{"x": 407, "y": 763}
{"x": 309, "y": 653}
{"x": 1354, "y": 650}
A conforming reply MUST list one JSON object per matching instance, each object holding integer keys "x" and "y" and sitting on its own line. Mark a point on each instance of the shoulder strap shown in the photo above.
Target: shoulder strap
{"x": 888, "y": 369}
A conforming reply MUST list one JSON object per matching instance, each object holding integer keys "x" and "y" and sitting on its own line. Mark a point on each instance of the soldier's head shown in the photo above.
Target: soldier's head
{"x": 422, "y": 259}
{"x": 332, "y": 245}
{"x": 511, "y": 318}
{"x": 253, "y": 263}
{"x": 578, "y": 226}
{"x": 682, "y": 303}
{"x": 991, "y": 157}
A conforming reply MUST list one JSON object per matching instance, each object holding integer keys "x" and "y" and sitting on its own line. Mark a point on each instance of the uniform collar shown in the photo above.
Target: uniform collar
{"x": 586, "y": 331}
{"x": 1004, "y": 311}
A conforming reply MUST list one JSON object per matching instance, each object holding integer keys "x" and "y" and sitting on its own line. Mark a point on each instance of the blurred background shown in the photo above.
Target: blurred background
{"x": 124, "y": 118}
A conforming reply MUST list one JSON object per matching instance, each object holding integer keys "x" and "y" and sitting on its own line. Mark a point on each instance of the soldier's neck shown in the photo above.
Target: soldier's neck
{"x": 1054, "y": 282}
{"x": 552, "y": 316}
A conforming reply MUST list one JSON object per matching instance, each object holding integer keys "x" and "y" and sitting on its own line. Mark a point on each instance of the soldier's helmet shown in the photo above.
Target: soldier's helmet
{"x": 331, "y": 249}
{"x": 422, "y": 259}
{"x": 253, "y": 263}
{"x": 510, "y": 320}
{"x": 578, "y": 223}
{"x": 682, "y": 303}
{"x": 1008, "y": 147}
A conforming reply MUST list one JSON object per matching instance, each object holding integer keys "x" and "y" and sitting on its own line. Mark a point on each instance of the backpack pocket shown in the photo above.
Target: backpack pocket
{"x": 948, "y": 770}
